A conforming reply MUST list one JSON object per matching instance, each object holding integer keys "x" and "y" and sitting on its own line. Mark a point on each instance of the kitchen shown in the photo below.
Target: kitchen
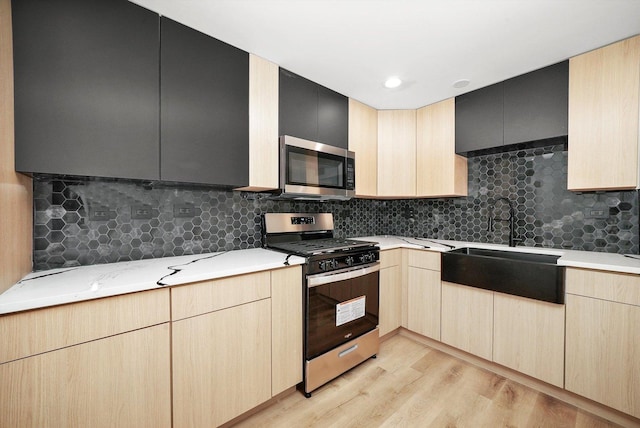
{"x": 90, "y": 222}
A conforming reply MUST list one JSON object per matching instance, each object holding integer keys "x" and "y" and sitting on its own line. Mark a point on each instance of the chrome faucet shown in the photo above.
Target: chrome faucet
{"x": 511, "y": 220}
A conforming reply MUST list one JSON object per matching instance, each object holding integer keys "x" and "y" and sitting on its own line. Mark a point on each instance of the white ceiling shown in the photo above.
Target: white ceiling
{"x": 352, "y": 46}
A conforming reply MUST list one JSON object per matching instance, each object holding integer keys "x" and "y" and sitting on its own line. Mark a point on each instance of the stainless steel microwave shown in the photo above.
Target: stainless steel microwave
{"x": 310, "y": 170}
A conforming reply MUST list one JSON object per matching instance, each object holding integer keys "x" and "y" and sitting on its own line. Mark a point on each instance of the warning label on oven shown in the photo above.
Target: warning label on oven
{"x": 350, "y": 310}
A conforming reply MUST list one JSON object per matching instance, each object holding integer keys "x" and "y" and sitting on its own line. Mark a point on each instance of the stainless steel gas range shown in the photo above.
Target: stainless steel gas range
{"x": 341, "y": 293}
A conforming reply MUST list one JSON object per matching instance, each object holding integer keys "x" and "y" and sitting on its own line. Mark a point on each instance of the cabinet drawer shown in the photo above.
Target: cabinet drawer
{"x": 208, "y": 296}
{"x": 616, "y": 287}
{"x": 390, "y": 258}
{"x": 42, "y": 330}
{"x": 424, "y": 259}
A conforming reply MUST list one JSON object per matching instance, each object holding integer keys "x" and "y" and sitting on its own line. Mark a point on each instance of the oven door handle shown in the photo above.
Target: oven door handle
{"x": 326, "y": 278}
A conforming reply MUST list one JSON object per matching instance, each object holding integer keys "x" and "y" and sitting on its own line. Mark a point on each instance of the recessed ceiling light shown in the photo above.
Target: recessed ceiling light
{"x": 392, "y": 82}
{"x": 461, "y": 83}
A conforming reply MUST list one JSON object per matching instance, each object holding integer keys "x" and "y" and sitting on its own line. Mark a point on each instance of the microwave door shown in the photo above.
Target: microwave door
{"x": 315, "y": 169}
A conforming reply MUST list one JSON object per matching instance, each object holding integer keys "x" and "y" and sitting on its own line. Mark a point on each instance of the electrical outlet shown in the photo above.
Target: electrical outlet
{"x": 101, "y": 214}
{"x": 141, "y": 212}
{"x": 596, "y": 212}
{"x": 183, "y": 210}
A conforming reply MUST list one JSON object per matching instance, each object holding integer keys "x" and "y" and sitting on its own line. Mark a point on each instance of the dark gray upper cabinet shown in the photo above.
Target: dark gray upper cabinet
{"x": 204, "y": 108}
{"x": 536, "y": 105}
{"x": 479, "y": 119}
{"x": 86, "y": 88}
{"x": 298, "y": 106}
{"x": 527, "y": 108}
{"x": 311, "y": 111}
{"x": 333, "y": 118}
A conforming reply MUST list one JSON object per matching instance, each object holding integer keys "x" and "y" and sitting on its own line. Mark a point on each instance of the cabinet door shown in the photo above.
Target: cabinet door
{"x": 479, "y": 119}
{"x": 263, "y": 125}
{"x": 423, "y": 302}
{"x": 390, "y": 299}
{"x": 286, "y": 328}
{"x": 221, "y": 364}
{"x": 536, "y": 104}
{"x": 204, "y": 108}
{"x": 602, "y": 360}
{"x": 467, "y": 319}
{"x": 333, "y": 118}
{"x": 298, "y": 106}
{"x": 604, "y": 88}
{"x": 363, "y": 140}
{"x": 86, "y": 88}
{"x": 440, "y": 172}
{"x": 528, "y": 336}
{"x": 397, "y": 153}
{"x": 123, "y": 380}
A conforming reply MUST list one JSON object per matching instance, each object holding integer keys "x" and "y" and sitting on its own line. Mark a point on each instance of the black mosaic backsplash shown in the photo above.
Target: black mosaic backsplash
{"x": 84, "y": 222}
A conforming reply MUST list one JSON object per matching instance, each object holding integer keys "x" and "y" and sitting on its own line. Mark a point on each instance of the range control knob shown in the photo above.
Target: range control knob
{"x": 368, "y": 258}
{"x": 349, "y": 261}
{"x": 328, "y": 264}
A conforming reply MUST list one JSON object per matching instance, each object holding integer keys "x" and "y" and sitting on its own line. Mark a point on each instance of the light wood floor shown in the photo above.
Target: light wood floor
{"x": 411, "y": 385}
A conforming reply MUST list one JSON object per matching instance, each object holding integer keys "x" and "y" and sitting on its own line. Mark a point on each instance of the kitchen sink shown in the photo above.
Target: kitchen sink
{"x": 536, "y": 276}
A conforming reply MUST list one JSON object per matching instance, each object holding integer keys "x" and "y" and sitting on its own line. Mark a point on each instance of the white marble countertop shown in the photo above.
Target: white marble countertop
{"x": 570, "y": 258}
{"x": 68, "y": 285}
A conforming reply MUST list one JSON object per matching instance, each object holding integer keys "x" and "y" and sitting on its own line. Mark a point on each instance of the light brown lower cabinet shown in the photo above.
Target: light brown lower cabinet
{"x": 221, "y": 364}
{"x": 233, "y": 344}
{"x": 390, "y": 312}
{"x": 528, "y": 336}
{"x": 423, "y": 293}
{"x": 122, "y": 380}
{"x": 423, "y": 302}
{"x": 523, "y": 334}
{"x": 236, "y": 342}
{"x": 603, "y": 327}
{"x": 467, "y": 319}
{"x": 286, "y": 328}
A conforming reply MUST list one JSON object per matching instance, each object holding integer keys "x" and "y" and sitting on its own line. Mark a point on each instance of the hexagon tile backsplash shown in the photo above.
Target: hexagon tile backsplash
{"x": 92, "y": 221}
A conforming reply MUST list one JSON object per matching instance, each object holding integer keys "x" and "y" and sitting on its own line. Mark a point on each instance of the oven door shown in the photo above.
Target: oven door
{"x": 340, "y": 307}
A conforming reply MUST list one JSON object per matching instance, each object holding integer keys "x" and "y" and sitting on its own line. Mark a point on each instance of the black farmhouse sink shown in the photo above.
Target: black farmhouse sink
{"x": 536, "y": 276}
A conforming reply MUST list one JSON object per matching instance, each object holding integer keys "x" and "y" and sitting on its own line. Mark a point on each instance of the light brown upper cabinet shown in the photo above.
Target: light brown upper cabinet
{"x": 263, "y": 125}
{"x": 603, "y": 117}
{"x": 363, "y": 140}
{"x": 397, "y": 153}
{"x": 406, "y": 153}
{"x": 440, "y": 172}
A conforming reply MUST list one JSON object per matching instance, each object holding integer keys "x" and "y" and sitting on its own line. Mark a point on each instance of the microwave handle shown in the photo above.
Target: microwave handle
{"x": 326, "y": 278}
